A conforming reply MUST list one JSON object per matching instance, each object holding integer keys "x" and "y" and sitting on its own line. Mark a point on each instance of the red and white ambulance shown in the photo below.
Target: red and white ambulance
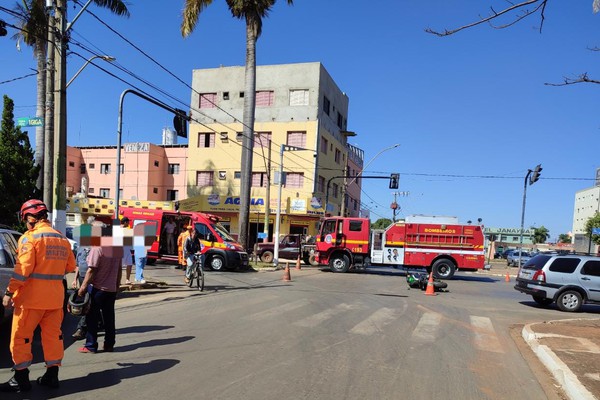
{"x": 438, "y": 244}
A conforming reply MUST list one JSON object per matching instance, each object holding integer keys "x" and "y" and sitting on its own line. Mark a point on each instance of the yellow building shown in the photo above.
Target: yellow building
{"x": 298, "y": 106}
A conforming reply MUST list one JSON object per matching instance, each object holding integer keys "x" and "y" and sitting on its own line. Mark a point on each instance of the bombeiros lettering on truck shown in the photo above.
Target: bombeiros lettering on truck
{"x": 438, "y": 244}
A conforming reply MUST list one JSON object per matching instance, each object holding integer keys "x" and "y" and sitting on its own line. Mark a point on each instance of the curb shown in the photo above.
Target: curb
{"x": 559, "y": 370}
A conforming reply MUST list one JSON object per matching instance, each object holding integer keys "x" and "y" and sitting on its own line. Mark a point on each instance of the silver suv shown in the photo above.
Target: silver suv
{"x": 8, "y": 257}
{"x": 569, "y": 280}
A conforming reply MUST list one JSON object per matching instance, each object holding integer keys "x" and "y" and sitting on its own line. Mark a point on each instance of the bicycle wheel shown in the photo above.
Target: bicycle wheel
{"x": 200, "y": 277}
{"x": 192, "y": 274}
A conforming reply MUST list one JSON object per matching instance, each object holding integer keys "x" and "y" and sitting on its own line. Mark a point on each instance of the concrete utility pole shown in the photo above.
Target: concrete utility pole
{"x": 268, "y": 194}
{"x": 49, "y": 117}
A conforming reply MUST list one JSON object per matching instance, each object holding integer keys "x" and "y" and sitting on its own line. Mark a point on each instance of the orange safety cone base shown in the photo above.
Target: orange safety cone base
{"x": 286, "y": 273}
{"x": 507, "y": 277}
{"x": 298, "y": 263}
{"x": 430, "y": 290}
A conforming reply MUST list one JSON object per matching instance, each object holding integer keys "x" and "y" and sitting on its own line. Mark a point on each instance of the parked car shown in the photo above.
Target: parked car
{"x": 8, "y": 257}
{"x": 569, "y": 280}
{"x": 506, "y": 253}
{"x": 513, "y": 258}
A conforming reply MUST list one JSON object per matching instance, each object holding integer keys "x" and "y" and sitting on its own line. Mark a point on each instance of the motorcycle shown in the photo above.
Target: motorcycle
{"x": 419, "y": 280}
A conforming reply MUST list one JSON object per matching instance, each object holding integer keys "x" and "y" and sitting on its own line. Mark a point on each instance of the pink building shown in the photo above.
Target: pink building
{"x": 353, "y": 191}
{"x": 148, "y": 171}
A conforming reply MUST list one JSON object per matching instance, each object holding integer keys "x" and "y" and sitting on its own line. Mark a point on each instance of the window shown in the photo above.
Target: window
{"x": 321, "y": 184}
{"x": 104, "y": 192}
{"x": 121, "y": 168}
{"x": 91, "y": 190}
{"x": 72, "y": 164}
{"x": 241, "y": 95}
{"x": 340, "y": 120}
{"x": 326, "y": 105}
{"x": 204, "y": 178}
{"x": 92, "y": 165}
{"x": 172, "y": 195}
{"x": 591, "y": 268}
{"x": 324, "y": 145}
{"x": 120, "y": 193}
{"x": 259, "y": 179}
{"x": 355, "y": 226}
{"x": 239, "y": 136}
{"x": 154, "y": 190}
{"x": 206, "y": 140}
{"x": 105, "y": 168}
{"x": 82, "y": 168}
{"x": 338, "y": 156}
{"x": 564, "y": 265}
{"x": 225, "y": 95}
{"x": 173, "y": 169}
{"x": 299, "y": 97}
{"x": 156, "y": 164}
{"x": 264, "y": 98}
{"x": 294, "y": 180}
{"x": 237, "y": 175}
{"x": 334, "y": 190}
{"x": 208, "y": 100}
{"x": 261, "y": 139}
{"x": 297, "y": 139}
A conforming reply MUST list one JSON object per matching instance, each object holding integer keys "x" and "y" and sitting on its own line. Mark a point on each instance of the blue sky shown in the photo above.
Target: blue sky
{"x": 471, "y": 111}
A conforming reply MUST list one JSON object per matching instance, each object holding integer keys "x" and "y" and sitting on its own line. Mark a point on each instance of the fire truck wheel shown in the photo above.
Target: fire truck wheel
{"x": 443, "y": 269}
{"x": 266, "y": 257}
{"x": 339, "y": 263}
{"x": 216, "y": 262}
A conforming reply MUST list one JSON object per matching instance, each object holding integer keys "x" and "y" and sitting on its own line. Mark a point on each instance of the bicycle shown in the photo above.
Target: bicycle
{"x": 197, "y": 273}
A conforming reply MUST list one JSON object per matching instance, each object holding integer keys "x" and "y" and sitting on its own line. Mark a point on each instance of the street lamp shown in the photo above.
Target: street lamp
{"x": 280, "y": 186}
{"x": 105, "y": 58}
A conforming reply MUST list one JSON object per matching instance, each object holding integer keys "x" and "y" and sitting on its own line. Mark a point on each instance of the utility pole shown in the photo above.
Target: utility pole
{"x": 344, "y": 188}
{"x": 59, "y": 214}
{"x": 49, "y": 117}
{"x": 394, "y": 207}
{"x": 268, "y": 194}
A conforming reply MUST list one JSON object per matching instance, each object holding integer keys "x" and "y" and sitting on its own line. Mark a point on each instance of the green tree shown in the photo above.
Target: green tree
{"x": 253, "y": 11}
{"x": 18, "y": 172}
{"x": 593, "y": 222}
{"x": 381, "y": 223}
{"x": 33, "y": 22}
{"x": 540, "y": 235}
{"x": 564, "y": 238}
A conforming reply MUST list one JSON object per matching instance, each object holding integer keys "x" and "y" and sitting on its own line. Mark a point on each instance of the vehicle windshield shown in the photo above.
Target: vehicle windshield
{"x": 221, "y": 231}
{"x": 537, "y": 262}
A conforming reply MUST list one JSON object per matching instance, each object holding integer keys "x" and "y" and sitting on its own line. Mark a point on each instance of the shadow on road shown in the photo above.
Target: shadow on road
{"x": 142, "y": 329}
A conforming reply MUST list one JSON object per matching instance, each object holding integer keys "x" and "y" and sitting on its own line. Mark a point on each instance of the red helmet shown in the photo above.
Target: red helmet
{"x": 32, "y": 207}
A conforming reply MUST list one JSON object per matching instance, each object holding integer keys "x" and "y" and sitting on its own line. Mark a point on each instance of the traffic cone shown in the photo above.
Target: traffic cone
{"x": 430, "y": 290}
{"x": 507, "y": 277}
{"x": 298, "y": 267}
{"x": 286, "y": 273}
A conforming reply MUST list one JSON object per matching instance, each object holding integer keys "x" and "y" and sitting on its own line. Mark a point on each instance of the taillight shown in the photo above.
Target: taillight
{"x": 539, "y": 276}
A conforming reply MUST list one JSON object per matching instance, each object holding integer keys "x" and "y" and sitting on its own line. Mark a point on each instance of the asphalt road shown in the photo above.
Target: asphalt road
{"x": 320, "y": 336}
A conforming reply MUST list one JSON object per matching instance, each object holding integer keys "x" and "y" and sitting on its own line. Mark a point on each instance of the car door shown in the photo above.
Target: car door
{"x": 590, "y": 278}
{"x": 289, "y": 248}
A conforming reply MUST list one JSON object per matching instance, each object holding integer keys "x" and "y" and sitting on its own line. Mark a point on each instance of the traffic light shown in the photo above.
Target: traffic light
{"x": 3, "y": 31}
{"x": 394, "y": 180}
{"x": 180, "y": 123}
{"x": 536, "y": 174}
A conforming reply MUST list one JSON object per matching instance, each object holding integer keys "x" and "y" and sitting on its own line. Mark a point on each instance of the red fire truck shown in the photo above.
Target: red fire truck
{"x": 438, "y": 244}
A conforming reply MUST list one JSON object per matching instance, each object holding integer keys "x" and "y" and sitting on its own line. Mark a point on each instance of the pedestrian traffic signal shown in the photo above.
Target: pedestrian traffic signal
{"x": 394, "y": 179}
{"x": 180, "y": 123}
{"x": 535, "y": 176}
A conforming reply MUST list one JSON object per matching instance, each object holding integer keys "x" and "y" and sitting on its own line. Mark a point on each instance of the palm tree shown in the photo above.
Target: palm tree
{"x": 253, "y": 11}
{"x": 33, "y": 21}
{"x": 540, "y": 235}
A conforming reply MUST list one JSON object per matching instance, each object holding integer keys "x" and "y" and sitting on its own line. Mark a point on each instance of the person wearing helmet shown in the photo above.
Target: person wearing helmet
{"x": 180, "y": 241}
{"x": 37, "y": 293}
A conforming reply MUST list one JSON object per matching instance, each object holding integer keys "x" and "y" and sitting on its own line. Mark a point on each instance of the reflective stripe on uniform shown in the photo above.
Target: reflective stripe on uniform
{"x": 48, "y": 235}
{"x": 47, "y": 277}
{"x": 19, "y": 277}
{"x": 22, "y": 365}
{"x": 53, "y": 363}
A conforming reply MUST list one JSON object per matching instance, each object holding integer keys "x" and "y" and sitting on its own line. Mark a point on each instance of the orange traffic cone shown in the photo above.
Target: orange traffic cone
{"x": 507, "y": 277}
{"x": 430, "y": 291}
{"x": 286, "y": 273}
{"x": 298, "y": 263}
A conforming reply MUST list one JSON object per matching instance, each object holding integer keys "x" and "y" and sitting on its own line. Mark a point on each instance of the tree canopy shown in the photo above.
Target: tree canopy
{"x": 18, "y": 172}
{"x": 541, "y": 234}
{"x": 381, "y": 223}
{"x": 564, "y": 238}
{"x": 593, "y": 222}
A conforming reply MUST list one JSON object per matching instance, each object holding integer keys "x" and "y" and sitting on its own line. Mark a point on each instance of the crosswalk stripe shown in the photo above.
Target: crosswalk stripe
{"x": 278, "y": 310}
{"x": 427, "y": 327}
{"x": 375, "y": 322}
{"x": 485, "y": 336}
{"x": 316, "y": 319}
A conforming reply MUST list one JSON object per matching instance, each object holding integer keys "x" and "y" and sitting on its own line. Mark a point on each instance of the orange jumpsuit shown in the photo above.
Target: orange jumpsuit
{"x": 44, "y": 257}
{"x": 180, "y": 241}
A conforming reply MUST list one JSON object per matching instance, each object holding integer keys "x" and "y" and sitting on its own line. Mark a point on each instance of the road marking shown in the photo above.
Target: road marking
{"x": 485, "y": 336}
{"x": 279, "y": 310}
{"x": 218, "y": 307}
{"x": 375, "y": 322}
{"x": 427, "y": 327}
{"x": 316, "y": 319}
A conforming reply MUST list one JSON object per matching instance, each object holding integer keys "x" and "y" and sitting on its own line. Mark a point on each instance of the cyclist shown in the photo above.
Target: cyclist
{"x": 191, "y": 246}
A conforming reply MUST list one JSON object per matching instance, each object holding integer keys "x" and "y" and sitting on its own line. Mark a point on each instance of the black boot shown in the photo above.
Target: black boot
{"x": 50, "y": 378}
{"x": 18, "y": 383}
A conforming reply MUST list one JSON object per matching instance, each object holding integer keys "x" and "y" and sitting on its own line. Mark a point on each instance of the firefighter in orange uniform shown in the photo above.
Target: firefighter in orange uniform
{"x": 180, "y": 241}
{"x": 37, "y": 293}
